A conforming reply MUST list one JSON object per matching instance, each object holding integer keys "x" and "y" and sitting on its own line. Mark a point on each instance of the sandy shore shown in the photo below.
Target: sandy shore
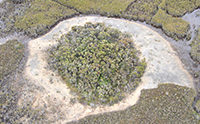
{"x": 163, "y": 66}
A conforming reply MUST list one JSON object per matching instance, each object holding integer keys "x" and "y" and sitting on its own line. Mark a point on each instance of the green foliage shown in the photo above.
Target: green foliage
{"x": 168, "y": 103}
{"x": 180, "y": 7}
{"x": 110, "y": 7}
{"x": 161, "y": 14}
{"x": 173, "y": 26}
{"x": 146, "y": 9}
{"x": 99, "y": 62}
{"x": 195, "y": 50}
{"x": 41, "y": 15}
{"x": 143, "y": 10}
{"x": 11, "y": 55}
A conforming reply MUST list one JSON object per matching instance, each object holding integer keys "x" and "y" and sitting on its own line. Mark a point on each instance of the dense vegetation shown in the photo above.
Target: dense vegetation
{"x": 195, "y": 51}
{"x": 156, "y": 12}
{"x": 11, "y": 55}
{"x": 172, "y": 26}
{"x": 143, "y": 10}
{"x": 166, "y": 104}
{"x": 180, "y": 7}
{"x": 105, "y": 7}
{"x": 39, "y": 17}
{"x": 98, "y": 62}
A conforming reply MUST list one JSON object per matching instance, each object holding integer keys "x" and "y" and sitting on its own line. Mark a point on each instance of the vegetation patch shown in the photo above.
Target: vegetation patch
{"x": 168, "y": 103}
{"x": 163, "y": 14}
{"x": 173, "y": 26}
{"x": 143, "y": 10}
{"x": 13, "y": 113}
{"x": 11, "y": 55}
{"x": 108, "y": 7}
{"x": 41, "y": 16}
{"x": 195, "y": 50}
{"x": 98, "y": 62}
{"x": 180, "y": 7}
{"x": 9, "y": 11}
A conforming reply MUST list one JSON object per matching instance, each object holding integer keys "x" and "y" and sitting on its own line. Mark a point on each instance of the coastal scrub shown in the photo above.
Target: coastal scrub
{"x": 100, "y": 63}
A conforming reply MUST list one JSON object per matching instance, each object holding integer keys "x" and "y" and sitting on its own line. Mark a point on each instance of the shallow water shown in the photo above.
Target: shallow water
{"x": 1, "y": 1}
{"x": 194, "y": 20}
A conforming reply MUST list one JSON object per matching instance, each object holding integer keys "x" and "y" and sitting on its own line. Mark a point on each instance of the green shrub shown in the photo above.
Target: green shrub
{"x": 99, "y": 62}
{"x": 41, "y": 16}
{"x": 173, "y": 26}
{"x": 180, "y": 7}
{"x": 195, "y": 50}
{"x": 143, "y": 10}
{"x": 109, "y": 7}
{"x": 11, "y": 55}
{"x": 162, "y": 13}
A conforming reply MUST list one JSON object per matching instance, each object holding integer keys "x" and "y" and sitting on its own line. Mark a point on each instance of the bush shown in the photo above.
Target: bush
{"x": 98, "y": 62}
{"x": 180, "y": 7}
{"x": 174, "y": 27}
{"x": 164, "y": 14}
{"x": 143, "y": 10}
{"x": 41, "y": 16}
{"x": 44, "y": 14}
{"x": 108, "y": 7}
